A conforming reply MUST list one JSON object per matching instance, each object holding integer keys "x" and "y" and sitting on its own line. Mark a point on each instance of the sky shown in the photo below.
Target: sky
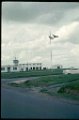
{"x": 26, "y": 27}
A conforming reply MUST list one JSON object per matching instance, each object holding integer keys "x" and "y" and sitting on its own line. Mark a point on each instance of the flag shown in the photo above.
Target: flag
{"x": 50, "y": 37}
{"x": 55, "y": 36}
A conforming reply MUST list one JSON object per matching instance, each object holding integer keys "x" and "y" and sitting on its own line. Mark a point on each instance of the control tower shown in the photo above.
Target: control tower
{"x": 15, "y": 62}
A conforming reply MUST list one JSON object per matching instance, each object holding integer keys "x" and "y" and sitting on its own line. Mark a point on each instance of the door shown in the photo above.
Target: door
{"x": 8, "y": 69}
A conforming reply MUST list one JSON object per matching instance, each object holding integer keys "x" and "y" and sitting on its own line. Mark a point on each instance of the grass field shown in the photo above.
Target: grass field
{"x": 10, "y": 75}
{"x": 49, "y": 80}
{"x": 71, "y": 90}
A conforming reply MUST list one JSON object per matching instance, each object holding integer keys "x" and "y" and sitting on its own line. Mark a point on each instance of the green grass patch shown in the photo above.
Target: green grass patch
{"x": 50, "y": 80}
{"x": 71, "y": 86}
{"x": 45, "y": 81}
{"x": 70, "y": 91}
{"x": 30, "y": 73}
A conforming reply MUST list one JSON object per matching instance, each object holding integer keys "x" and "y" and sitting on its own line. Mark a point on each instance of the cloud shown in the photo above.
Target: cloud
{"x": 68, "y": 33}
{"x": 75, "y": 51}
{"x": 25, "y": 32}
{"x": 45, "y": 12}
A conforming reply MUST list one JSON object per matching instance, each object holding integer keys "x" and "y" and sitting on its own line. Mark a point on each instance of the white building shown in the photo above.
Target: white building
{"x": 58, "y": 66}
{"x": 72, "y": 71}
{"x": 16, "y": 67}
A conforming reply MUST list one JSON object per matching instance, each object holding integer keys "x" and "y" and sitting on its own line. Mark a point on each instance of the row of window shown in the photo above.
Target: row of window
{"x": 3, "y": 68}
{"x": 15, "y": 68}
{"x": 31, "y": 64}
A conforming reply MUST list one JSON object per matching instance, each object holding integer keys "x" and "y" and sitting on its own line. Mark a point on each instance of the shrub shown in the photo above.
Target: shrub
{"x": 43, "y": 90}
{"x": 61, "y": 90}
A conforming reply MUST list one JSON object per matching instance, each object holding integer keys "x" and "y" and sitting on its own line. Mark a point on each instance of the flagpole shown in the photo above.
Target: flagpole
{"x": 50, "y": 37}
{"x": 50, "y": 51}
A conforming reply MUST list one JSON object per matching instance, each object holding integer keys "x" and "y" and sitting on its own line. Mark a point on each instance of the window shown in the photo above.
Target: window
{"x": 14, "y": 68}
{"x": 40, "y": 68}
{"x": 33, "y": 68}
{"x": 36, "y": 68}
{"x": 38, "y": 63}
{"x": 44, "y": 68}
{"x": 26, "y": 68}
{"x": 58, "y": 67}
{"x": 8, "y": 69}
{"x": 3, "y": 68}
{"x": 21, "y": 69}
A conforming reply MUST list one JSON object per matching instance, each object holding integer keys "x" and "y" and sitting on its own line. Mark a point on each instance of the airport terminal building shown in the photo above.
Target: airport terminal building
{"x": 16, "y": 67}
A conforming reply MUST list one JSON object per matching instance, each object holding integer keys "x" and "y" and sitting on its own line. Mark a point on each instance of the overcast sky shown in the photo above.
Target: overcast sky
{"x": 26, "y": 27}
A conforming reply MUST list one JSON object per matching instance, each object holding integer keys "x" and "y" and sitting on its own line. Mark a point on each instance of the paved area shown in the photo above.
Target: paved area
{"x": 23, "y": 103}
